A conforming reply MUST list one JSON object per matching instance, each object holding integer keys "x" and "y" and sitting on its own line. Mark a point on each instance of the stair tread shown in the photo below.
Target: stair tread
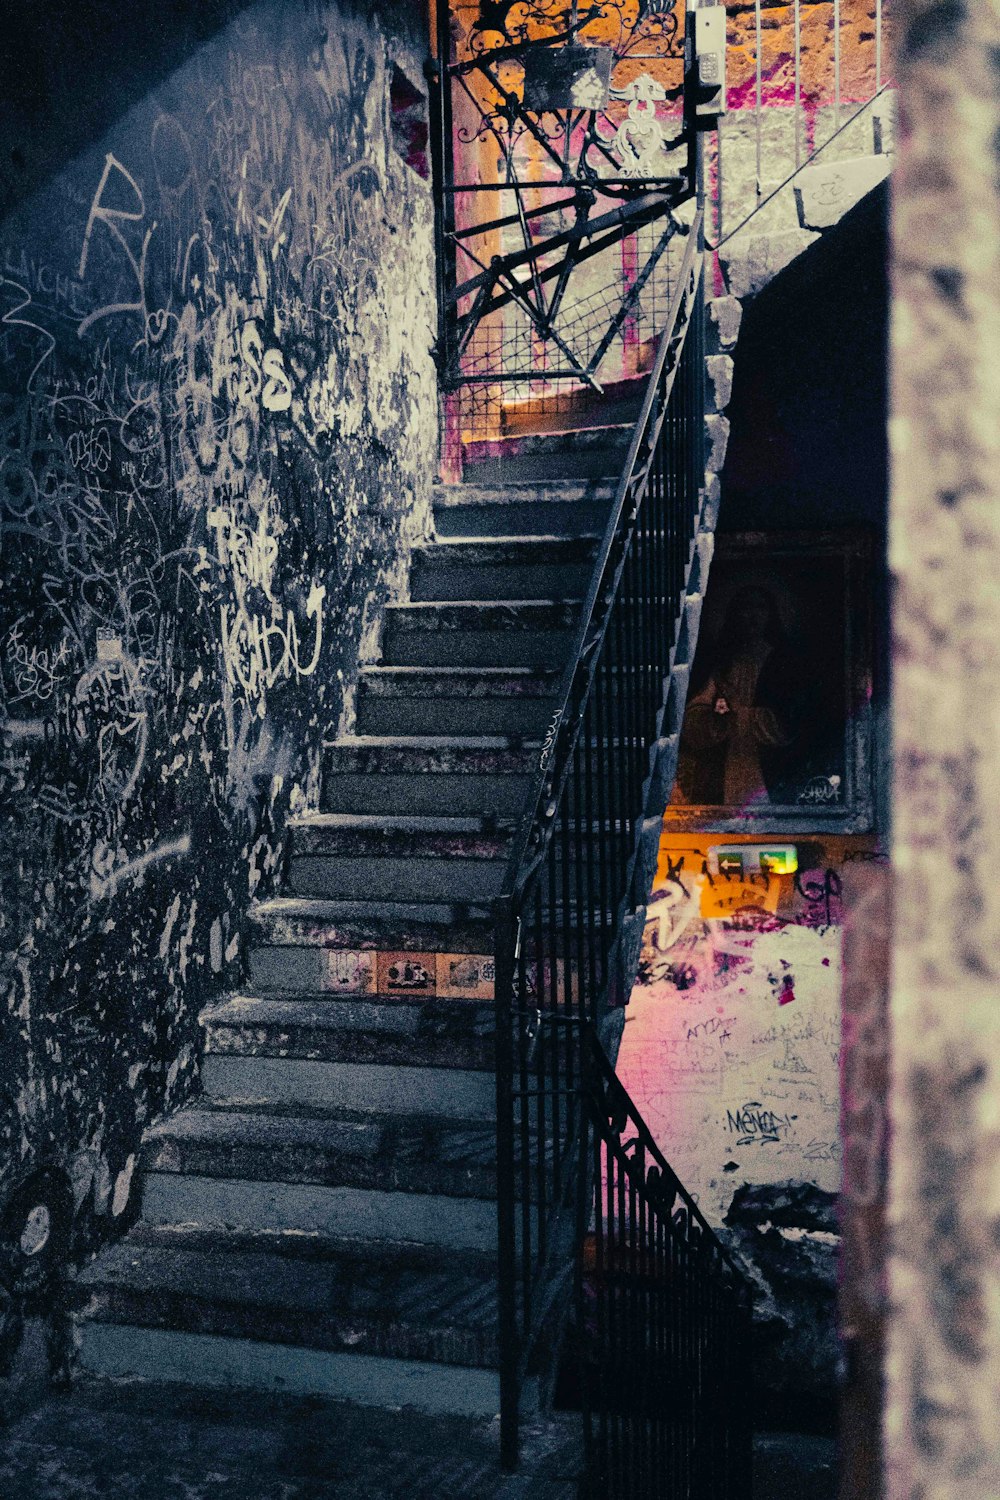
{"x": 421, "y": 742}
{"x": 545, "y": 491}
{"x": 273, "y": 1444}
{"x": 378, "y": 1007}
{"x": 298, "y": 922}
{"x": 490, "y": 673}
{"x": 463, "y": 850}
{"x": 338, "y": 1013}
{"x": 509, "y": 610}
{"x": 456, "y": 1035}
{"x": 346, "y": 1130}
{"x": 314, "y": 1245}
{"x": 404, "y": 822}
{"x": 205, "y": 1117}
{"x": 581, "y": 544}
{"x": 319, "y": 909}
{"x": 383, "y": 1289}
{"x": 363, "y": 1134}
{"x": 476, "y": 681}
{"x": 378, "y": 1151}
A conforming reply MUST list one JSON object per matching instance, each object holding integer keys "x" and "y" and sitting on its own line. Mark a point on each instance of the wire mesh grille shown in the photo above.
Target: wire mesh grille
{"x": 564, "y": 158}
{"x": 516, "y": 382}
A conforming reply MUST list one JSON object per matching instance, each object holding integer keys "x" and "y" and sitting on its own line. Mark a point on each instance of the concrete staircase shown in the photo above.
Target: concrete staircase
{"x": 320, "y": 1221}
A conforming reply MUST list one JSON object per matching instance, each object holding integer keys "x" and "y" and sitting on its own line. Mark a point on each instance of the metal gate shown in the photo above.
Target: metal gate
{"x": 565, "y": 163}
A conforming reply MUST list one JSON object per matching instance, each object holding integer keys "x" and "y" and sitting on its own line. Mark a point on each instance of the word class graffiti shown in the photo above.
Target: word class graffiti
{"x": 755, "y": 1124}
{"x": 259, "y": 652}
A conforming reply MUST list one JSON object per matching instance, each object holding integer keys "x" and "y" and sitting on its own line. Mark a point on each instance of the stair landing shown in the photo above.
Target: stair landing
{"x": 163, "y": 1442}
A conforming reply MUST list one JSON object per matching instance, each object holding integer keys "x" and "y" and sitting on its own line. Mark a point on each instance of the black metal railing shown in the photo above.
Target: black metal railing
{"x": 568, "y": 919}
{"x": 662, "y": 1322}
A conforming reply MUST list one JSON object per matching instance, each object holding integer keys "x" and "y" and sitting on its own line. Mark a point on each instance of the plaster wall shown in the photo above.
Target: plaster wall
{"x": 732, "y": 1036}
{"x": 732, "y": 1050}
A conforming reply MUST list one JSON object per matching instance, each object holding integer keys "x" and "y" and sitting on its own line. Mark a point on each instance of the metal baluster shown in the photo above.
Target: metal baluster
{"x": 614, "y": 1253}
{"x": 537, "y": 1080}
{"x": 604, "y": 833}
{"x": 601, "y": 1280}
{"x": 591, "y": 845}
{"x": 507, "y": 1309}
{"x": 579, "y": 988}
{"x": 523, "y": 1075}
{"x": 633, "y": 683}
{"x": 661, "y": 603}
{"x": 550, "y": 1013}
{"x": 621, "y": 788}
{"x": 624, "y": 1285}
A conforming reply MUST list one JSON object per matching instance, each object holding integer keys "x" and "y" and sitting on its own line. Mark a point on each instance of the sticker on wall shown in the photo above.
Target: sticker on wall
{"x": 466, "y": 976}
{"x": 351, "y": 973}
{"x": 567, "y": 77}
{"x": 740, "y": 860}
{"x": 407, "y": 973}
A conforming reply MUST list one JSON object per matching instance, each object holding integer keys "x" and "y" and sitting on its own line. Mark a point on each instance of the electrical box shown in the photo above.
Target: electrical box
{"x": 709, "y": 69}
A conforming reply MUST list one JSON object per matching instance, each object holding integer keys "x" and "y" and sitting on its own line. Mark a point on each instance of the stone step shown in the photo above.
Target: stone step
{"x": 338, "y": 947}
{"x": 558, "y": 454}
{"x": 515, "y": 508}
{"x": 433, "y": 1033}
{"x": 479, "y": 633}
{"x": 414, "y": 858}
{"x": 370, "y": 1299}
{"x": 385, "y": 1150}
{"x": 290, "y": 921}
{"x": 458, "y": 701}
{"x": 542, "y": 567}
{"x": 427, "y": 775}
{"x": 453, "y": 1093}
{"x": 224, "y": 1203}
{"x": 121, "y": 1352}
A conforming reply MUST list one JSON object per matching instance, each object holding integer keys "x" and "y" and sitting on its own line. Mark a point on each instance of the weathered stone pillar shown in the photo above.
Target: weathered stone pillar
{"x": 942, "y": 1418}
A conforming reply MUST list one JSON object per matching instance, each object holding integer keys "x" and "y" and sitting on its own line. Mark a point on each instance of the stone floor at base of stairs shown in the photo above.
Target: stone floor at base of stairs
{"x": 793, "y": 1466}
{"x": 133, "y": 1442}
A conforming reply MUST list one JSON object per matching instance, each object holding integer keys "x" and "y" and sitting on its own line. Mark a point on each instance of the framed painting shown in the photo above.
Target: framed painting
{"x": 778, "y": 722}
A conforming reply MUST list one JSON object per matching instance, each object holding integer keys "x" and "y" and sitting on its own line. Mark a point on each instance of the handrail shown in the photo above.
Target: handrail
{"x": 582, "y": 652}
{"x": 575, "y": 872}
{"x": 663, "y": 1322}
{"x": 622, "y": 1110}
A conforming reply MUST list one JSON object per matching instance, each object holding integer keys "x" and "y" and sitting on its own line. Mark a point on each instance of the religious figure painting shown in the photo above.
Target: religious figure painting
{"x": 777, "y": 725}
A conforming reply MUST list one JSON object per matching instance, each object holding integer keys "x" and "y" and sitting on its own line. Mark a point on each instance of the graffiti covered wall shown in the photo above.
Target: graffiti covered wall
{"x": 217, "y": 429}
{"x": 732, "y": 1050}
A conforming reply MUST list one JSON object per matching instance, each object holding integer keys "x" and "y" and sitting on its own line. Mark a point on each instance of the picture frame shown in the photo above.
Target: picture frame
{"x": 777, "y": 729}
